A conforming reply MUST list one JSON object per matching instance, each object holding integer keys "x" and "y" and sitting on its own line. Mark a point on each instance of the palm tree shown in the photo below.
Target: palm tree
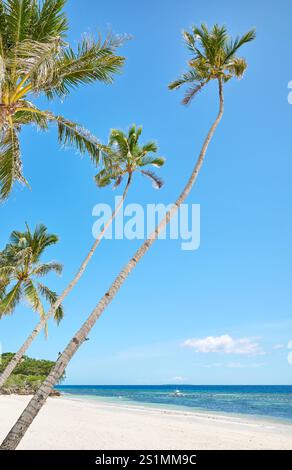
{"x": 122, "y": 157}
{"x": 215, "y": 60}
{"x": 35, "y": 60}
{"x": 21, "y": 272}
{"x": 217, "y": 51}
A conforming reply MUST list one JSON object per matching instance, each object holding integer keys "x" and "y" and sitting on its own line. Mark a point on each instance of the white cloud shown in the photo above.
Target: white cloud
{"x": 225, "y": 344}
{"x": 278, "y": 346}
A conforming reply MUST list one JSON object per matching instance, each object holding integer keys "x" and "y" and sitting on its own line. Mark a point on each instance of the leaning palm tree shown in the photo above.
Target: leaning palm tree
{"x": 217, "y": 52}
{"x": 122, "y": 157}
{"x": 21, "y": 272}
{"x": 35, "y": 60}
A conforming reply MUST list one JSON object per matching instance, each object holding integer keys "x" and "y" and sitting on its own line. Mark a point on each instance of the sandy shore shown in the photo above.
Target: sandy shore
{"x": 75, "y": 424}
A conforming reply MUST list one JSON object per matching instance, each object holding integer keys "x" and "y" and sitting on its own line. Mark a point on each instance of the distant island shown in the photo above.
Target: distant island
{"x": 27, "y": 376}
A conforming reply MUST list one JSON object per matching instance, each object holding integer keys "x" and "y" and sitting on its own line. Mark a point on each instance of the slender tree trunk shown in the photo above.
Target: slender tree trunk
{"x": 19, "y": 429}
{"x": 42, "y": 323}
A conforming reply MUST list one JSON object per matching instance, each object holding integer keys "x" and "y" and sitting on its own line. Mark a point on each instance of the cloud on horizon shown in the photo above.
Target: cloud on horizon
{"x": 225, "y": 344}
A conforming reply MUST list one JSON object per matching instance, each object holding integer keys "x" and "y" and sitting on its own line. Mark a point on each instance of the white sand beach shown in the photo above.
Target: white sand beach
{"x": 66, "y": 423}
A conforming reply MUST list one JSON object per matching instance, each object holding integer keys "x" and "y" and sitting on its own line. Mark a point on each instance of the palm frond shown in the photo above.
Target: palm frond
{"x": 119, "y": 139}
{"x": 74, "y": 135}
{"x": 51, "y": 21}
{"x": 40, "y": 240}
{"x": 3, "y": 285}
{"x": 45, "y": 268}
{"x": 10, "y": 162}
{"x": 192, "y": 76}
{"x": 30, "y": 244}
{"x": 105, "y": 177}
{"x": 156, "y": 181}
{"x": 149, "y": 147}
{"x": 191, "y": 93}
{"x": 3, "y": 30}
{"x": 213, "y": 58}
{"x": 93, "y": 61}
{"x": 69, "y": 133}
{"x": 118, "y": 181}
{"x": 18, "y": 15}
{"x": 151, "y": 160}
{"x": 237, "y": 67}
{"x": 32, "y": 296}
{"x": 11, "y": 299}
{"x": 51, "y": 297}
{"x": 28, "y": 113}
{"x": 232, "y": 47}
{"x": 36, "y": 61}
{"x": 6, "y": 272}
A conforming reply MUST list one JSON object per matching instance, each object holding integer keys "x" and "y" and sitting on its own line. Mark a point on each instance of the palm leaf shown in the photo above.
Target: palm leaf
{"x": 233, "y": 46}
{"x": 45, "y": 268}
{"x": 39, "y": 240}
{"x": 149, "y": 160}
{"x": 36, "y": 61}
{"x": 51, "y": 21}
{"x": 3, "y": 28}
{"x": 18, "y": 15}
{"x": 191, "y": 93}
{"x": 6, "y": 272}
{"x": 157, "y": 182}
{"x": 11, "y": 299}
{"x": 93, "y": 61}
{"x": 237, "y": 67}
{"x": 32, "y": 296}
{"x": 10, "y": 162}
{"x": 149, "y": 147}
{"x": 72, "y": 134}
{"x": 51, "y": 297}
{"x": 105, "y": 177}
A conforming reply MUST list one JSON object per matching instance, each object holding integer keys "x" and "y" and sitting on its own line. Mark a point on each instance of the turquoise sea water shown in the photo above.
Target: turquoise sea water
{"x": 260, "y": 401}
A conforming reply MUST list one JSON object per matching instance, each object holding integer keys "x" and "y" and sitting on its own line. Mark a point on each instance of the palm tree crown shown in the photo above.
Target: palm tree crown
{"x": 123, "y": 156}
{"x": 213, "y": 57}
{"x": 21, "y": 268}
{"x": 35, "y": 60}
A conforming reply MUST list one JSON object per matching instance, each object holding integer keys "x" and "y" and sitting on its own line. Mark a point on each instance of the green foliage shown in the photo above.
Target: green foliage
{"x": 27, "y": 376}
{"x": 213, "y": 58}
{"x": 22, "y": 384}
{"x": 123, "y": 156}
{"x": 35, "y": 60}
{"x": 21, "y": 268}
{"x": 28, "y": 366}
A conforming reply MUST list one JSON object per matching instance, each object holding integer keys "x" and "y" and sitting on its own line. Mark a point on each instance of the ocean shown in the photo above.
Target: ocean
{"x": 265, "y": 401}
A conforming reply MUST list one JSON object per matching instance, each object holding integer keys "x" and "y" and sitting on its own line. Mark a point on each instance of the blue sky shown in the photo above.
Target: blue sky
{"x": 238, "y": 284}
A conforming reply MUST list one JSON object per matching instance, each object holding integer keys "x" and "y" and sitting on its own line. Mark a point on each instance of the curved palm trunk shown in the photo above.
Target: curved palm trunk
{"x": 42, "y": 323}
{"x": 19, "y": 429}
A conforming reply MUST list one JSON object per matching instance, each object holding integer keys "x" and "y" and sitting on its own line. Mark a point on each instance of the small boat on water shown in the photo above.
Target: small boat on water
{"x": 177, "y": 393}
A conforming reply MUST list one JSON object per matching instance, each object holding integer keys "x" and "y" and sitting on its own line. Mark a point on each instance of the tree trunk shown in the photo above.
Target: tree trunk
{"x": 42, "y": 323}
{"x": 19, "y": 429}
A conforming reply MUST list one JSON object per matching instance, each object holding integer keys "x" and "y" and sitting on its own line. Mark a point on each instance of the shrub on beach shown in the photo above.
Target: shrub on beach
{"x": 27, "y": 376}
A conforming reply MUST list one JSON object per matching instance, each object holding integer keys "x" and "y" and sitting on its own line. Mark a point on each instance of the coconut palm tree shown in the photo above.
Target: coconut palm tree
{"x": 35, "y": 60}
{"x": 218, "y": 53}
{"x": 122, "y": 157}
{"x": 214, "y": 60}
{"x": 21, "y": 272}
